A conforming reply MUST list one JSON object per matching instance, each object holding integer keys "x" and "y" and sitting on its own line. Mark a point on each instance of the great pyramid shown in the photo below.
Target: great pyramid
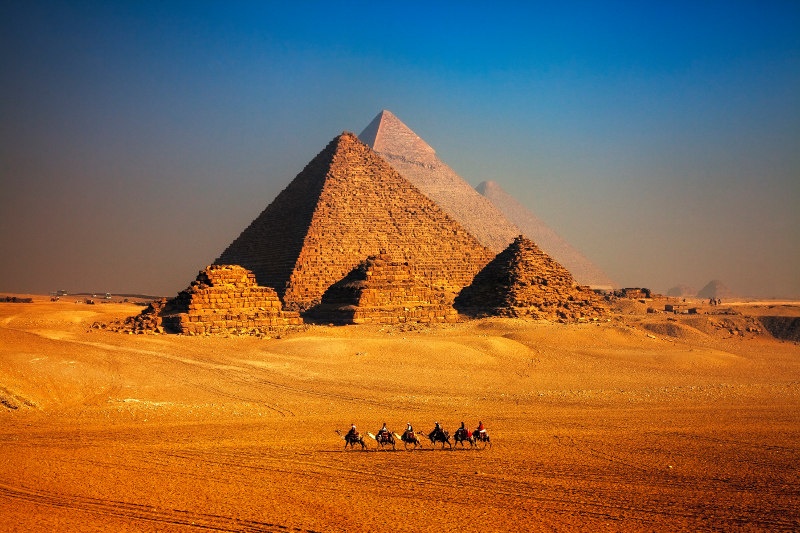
{"x": 348, "y": 204}
{"x": 523, "y": 281}
{"x": 416, "y": 161}
{"x": 586, "y": 272}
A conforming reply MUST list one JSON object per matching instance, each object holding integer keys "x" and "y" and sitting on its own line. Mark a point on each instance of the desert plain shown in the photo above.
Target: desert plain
{"x": 643, "y": 422}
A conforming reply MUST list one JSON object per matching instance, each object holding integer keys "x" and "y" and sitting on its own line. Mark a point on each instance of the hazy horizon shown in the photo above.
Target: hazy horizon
{"x": 138, "y": 140}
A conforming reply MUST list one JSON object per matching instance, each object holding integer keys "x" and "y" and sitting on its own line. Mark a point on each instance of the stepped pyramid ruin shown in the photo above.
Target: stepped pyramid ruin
{"x": 548, "y": 240}
{"x": 222, "y": 299}
{"x": 416, "y": 161}
{"x": 523, "y": 281}
{"x": 382, "y": 291}
{"x": 348, "y": 204}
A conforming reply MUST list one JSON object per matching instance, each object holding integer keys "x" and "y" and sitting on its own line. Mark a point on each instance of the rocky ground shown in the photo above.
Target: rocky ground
{"x": 642, "y": 422}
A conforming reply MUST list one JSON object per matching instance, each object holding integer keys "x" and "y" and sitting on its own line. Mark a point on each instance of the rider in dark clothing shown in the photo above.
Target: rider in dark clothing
{"x": 437, "y": 430}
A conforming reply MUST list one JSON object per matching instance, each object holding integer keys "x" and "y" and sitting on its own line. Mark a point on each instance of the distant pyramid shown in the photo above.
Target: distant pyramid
{"x": 524, "y": 281}
{"x": 548, "y": 240}
{"x": 416, "y": 161}
{"x": 681, "y": 291}
{"x": 346, "y": 205}
{"x": 715, "y": 289}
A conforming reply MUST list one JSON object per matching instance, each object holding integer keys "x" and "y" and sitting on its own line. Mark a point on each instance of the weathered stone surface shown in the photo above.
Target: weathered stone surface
{"x": 223, "y": 299}
{"x": 523, "y": 281}
{"x": 416, "y": 161}
{"x": 584, "y": 271}
{"x": 383, "y": 291}
{"x": 346, "y": 205}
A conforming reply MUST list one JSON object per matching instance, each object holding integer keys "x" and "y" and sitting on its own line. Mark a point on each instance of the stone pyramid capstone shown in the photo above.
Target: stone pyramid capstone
{"x": 416, "y": 161}
{"x": 584, "y": 271}
{"x": 523, "y": 281}
{"x": 344, "y": 206}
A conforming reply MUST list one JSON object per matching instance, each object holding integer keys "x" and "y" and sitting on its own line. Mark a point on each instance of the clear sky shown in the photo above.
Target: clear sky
{"x": 661, "y": 139}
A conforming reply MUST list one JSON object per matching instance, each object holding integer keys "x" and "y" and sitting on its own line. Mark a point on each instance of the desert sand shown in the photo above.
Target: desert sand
{"x": 645, "y": 422}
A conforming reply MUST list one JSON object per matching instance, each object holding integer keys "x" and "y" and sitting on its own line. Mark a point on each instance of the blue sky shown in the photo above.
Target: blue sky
{"x": 138, "y": 139}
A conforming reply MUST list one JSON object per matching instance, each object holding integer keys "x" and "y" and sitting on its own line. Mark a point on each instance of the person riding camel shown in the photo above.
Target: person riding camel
{"x": 383, "y": 433}
{"x": 353, "y": 432}
{"x": 464, "y": 431}
{"x": 481, "y": 431}
{"x": 437, "y": 430}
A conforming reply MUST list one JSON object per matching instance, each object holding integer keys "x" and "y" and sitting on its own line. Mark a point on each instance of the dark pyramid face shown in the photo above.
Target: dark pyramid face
{"x": 270, "y": 245}
{"x": 346, "y": 205}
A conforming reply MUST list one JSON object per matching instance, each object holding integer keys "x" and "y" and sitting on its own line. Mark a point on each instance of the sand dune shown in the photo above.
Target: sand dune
{"x": 641, "y": 423}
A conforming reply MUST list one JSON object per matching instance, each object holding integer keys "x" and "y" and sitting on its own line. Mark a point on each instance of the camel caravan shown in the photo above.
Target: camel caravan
{"x": 478, "y": 439}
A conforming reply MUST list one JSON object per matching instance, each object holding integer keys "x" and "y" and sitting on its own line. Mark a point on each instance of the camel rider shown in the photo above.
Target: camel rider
{"x": 481, "y": 430}
{"x": 383, "y": 433}
{"x": 409, "y": 429}
{"x": 437, "y": 430}
{"x": 464, "y": 431}
{"x": 353, "y": 432}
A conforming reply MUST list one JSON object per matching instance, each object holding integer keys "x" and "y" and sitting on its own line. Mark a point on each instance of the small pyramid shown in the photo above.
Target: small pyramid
{"x": 382, "y": 291}
{"x": 715, "y": 289}
{"x": 346, "y": 205}
{"x": 416, "y": 161}
{"x": 523, "y": 281}
{"x": 222, "y": 299}
{"x": 584, "y": 270}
